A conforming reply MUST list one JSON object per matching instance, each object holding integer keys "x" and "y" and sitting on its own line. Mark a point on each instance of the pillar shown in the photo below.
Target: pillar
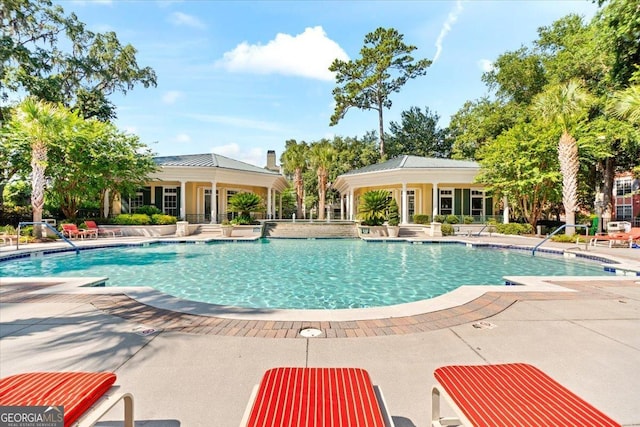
{"x": 434, "y": 201}
{"x": 405, "y": 204}
{"x": 505, "y": 213}
{"x": 183, "y": 199}
{"x": 214, "y": 203}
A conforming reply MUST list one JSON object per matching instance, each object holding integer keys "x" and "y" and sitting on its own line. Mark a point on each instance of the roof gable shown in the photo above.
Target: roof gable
{"x": 209, "y": 160}
{"x": 416, "y": 162}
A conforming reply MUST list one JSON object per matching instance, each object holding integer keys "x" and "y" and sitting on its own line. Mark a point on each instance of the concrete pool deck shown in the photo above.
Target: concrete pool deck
{"x": 586, "y": 338}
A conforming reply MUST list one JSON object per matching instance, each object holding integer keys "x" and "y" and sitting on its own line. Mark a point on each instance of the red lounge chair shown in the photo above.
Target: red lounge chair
{"x": 85, "y": 396}
{"x": 316, "y": 397}
{"x": 91, "y": 225}
{"x": 622, "y": 239}
{"x": 72, "y": 231}
{"x": 514, "y": 394}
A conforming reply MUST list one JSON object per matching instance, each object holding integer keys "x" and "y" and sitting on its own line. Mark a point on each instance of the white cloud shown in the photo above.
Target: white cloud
{"x": 308, "y": 55}
{"x": 237, "y": 122}
{"x": 254, "y": 156}
{"x": 182, "y": 19}
{"x": 486, "y": 65}
{"x": 171, "y": 97}
{"x": 86, "y": 2}
{"x": 446, "y": 27}
{"x": 182, "y": 138}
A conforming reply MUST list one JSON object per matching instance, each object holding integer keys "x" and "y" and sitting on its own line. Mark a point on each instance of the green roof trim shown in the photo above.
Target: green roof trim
{"x": 210, "y": 160}
{"x": 416, "y": 162}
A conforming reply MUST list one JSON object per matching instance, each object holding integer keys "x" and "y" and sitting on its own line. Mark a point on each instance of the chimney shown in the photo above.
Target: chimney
{"x": 271, "y": 161}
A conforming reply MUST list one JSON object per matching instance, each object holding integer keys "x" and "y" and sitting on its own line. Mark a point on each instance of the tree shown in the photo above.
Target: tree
{"x": 478, "y": 123}
{"x": 373, "y": 207}
{"x": 294, "y": 161}
{"x": 384, "y": 66}
{"x": 520, "y": 164}
{"x": 244, "y": 204}
{"x": 418, "y": 135}
{"x": 516, "y": 76}
{"x": 321, "y": 156}
{"x": 565, "y": 105}
{"x": 37, "y": 125}
{"x": 626, "y": 104}
{"x": 82, "y": 76}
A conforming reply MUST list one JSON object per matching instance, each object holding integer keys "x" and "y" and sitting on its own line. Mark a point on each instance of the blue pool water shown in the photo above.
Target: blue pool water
{"x": 301, "y": 274}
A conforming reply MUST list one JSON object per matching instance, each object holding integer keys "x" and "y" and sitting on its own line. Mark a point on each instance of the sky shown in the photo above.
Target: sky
{"x": 238, "y": 78}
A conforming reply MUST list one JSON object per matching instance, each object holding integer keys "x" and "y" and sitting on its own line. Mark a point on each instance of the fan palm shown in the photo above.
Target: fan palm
{"x": 322, "y": 155}
{"x": 564, "y": 105}
{"x": 294, "y": 160}
{"x": 626, "y": 104}
{"x": 39, "y": 124}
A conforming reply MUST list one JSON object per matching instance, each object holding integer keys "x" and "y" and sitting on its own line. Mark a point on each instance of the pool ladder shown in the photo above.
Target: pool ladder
{"x": 586, "y": 226}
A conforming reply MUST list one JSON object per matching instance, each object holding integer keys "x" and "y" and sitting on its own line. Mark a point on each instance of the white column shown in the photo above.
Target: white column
{"x": 434, "y": 201}
{"x": 105, "y": 205}
{"x": 274, "y": 200}
{"x": 342, "y": 202}
{"x": 352, "y": 211}
{"x": 269, "y": 204}
{"x": 505, "y": 213}
{"x": 183, "y": 199}
{"x": 214, "y": 203}
{"x": 405, "y": 204}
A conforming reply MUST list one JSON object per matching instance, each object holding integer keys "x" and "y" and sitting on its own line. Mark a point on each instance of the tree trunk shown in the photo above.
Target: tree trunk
{"x": 609, "y": 175}
{"x": 322, "y": 191}
{"x": 38, "y": 165}
{"x": 381, "y": 129}
{"x": 569, "y": 166}
{"x": 299, "y": 185}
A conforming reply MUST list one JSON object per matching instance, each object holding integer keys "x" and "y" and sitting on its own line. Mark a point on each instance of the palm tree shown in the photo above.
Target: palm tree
{"x": 322, "y": 154}
{"x": 626, "y": 104}
{"x": 564, "y": 105}
{"x": 294, "y": 160}
{"x": 39, "y": 124}
{"x": 373, "y": 207}
{"x": 244, "y": 204}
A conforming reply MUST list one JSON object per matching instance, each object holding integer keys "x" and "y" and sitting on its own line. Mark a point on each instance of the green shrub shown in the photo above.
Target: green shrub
{"x": 420, "y": 219}
{"x": 373, "y": 207}
{"x": 162, "y": 219}
{"x": 447, "y": 230}
{"x": 514, "y": 228}
{"x": 468, "y": 219}
{"x": 244, "y": 220}
{"x": 394, "y": 216}
{"x": 452, "y": 219}
{"x": 148, "y": 210}
{"x": 439, "y": 218}
{"x": 132, "y": 219}
{"x": 563, "y": 238}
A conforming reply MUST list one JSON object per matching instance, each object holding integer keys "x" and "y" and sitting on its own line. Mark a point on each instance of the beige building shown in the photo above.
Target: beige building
{"x": 197, "y": 187}
{"x": 420, "y": 185}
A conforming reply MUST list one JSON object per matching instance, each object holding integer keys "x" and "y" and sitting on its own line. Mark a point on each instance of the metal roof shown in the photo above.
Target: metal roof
{"x": 416, "y": 162}
{"x": 209, "y": 160}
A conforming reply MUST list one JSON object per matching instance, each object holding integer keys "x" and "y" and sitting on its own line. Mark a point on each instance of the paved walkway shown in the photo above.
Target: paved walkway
{"x": 184, "y": 371}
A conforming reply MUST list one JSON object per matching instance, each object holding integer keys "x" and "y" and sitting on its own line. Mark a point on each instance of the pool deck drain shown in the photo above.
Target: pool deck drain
{"x": 164, "y": 320}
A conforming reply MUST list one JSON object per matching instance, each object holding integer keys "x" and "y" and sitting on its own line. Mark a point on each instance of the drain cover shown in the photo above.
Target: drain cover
{"x": 310, "y": 332}
{"x": 484, "y": 325}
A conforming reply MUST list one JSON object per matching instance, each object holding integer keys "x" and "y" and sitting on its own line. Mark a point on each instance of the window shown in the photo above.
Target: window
{"x": 170, "y": 201}
{"x": 446, "y": 202}
{"x": 477, "y": 203}
{"x": 623, "y": 186}
{"x": 136, "y": 202}
{"x": 624, "y": 213}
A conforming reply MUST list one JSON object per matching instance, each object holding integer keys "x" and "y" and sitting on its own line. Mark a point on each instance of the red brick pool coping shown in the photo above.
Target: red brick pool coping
{"x": 481, "y": 308}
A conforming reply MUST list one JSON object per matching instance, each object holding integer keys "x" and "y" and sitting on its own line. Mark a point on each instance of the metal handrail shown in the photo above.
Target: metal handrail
{"x": 62, "y": 236}
{"x": 587, "y": 226}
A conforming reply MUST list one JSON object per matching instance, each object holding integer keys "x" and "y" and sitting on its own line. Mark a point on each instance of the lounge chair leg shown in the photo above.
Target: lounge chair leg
{"x": 128, "y": 410}
{"x": 436, "y": 419}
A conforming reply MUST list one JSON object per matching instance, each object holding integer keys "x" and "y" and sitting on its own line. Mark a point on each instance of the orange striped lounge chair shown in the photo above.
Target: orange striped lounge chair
{"x": 513, "y": 394}
{"x": 316, "y": 397}
{"x": 85, "y": 397}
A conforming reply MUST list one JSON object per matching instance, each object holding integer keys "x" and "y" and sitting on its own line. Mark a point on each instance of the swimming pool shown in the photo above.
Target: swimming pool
{"x": 301, "y": 274}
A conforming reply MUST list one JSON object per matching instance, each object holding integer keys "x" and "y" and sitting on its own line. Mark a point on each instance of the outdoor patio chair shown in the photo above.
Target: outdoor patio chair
{"x": 73, "y": 232}
{"x": 618, "y": 239}
{"x": 85, "y": 397}
{"x": 91, "y": 225}
{"x": 513, "y": 394}
{"x": 316, "y": 397}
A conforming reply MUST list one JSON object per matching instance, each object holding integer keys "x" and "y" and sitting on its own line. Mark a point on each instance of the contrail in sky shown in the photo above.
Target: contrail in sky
{"x": 446, "y": 27}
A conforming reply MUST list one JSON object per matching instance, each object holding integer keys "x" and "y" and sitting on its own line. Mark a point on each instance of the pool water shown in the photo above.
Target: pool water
{"x": 301, "y": 274}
